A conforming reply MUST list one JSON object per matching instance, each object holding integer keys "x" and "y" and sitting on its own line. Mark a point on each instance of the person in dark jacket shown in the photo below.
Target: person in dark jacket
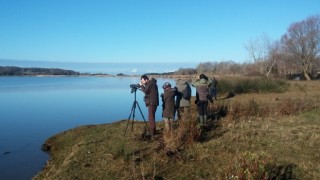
{"x": 202, "y": 84}
{"x": 183, "y": 97}
{"x": 151, "y": 99}
{"x": 168, "y": 100}
{"x": 213, "y": 88}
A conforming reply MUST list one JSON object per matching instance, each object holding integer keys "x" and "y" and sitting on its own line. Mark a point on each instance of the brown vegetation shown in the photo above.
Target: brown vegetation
{"x": 249, "y": 136}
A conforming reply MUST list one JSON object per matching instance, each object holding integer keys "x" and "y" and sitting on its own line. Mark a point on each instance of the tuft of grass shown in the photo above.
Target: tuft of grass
{"x": 120, "y": 150}
{"x": 185, "y": 133}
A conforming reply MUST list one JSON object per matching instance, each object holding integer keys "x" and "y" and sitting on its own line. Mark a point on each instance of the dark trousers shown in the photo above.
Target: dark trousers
{"x": 182, "y": 110}
{"x": 202, "y": 107}
{"x": 152, "y": 118}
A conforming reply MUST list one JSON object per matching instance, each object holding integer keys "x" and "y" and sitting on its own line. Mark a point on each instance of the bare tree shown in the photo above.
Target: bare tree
{"x": 302, "y": 42}
{"x": 221, "y": 68}
{"x": 186, "y": 71}
{"x": 255, "y": 49}
{"x": 204, "y": 67}
{"x": 274, "y": 56}
{"x": 259, "y": 50}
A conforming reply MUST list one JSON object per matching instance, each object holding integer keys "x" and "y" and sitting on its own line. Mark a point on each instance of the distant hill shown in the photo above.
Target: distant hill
{"x": 18, "y": 71}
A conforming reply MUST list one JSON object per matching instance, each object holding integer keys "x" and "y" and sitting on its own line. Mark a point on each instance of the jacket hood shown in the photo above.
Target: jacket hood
{"x": 154, "y": 80}
{"x": 171, "y": 91}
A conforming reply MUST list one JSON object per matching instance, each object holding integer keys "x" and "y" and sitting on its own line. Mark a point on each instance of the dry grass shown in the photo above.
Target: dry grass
{"x": 250, "y": 136}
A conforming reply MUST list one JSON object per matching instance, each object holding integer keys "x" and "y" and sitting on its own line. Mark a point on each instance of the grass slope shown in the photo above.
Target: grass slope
{"x": 279, "y": 139}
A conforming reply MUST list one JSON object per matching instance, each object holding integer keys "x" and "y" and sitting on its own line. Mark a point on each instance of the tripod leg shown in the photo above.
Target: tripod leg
{"x": 143, "y": 116}
{"x": 131, "y": 113}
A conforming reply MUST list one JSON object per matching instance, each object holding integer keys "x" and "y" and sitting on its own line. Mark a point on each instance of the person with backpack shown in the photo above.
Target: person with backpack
{"x": 183, "y": 97}
{"x": 202, "y": 84}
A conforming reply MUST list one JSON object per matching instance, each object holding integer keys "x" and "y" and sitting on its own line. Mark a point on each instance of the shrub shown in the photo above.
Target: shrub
{"x": 283, "y": 107}
{"x": 247, "y": 85}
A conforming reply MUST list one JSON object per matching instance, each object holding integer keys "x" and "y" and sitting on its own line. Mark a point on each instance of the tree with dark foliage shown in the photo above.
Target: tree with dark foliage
{"x": 17, "y": 71}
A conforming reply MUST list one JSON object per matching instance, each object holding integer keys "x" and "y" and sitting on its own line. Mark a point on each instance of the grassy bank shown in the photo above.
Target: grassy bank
{"x": 250, "y": 136}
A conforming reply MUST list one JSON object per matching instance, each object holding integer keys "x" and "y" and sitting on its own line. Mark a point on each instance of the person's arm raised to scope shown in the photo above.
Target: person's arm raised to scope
{"x": 142, "y": 87}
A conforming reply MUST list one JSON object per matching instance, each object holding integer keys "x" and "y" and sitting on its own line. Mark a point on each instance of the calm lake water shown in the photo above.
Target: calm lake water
{"x": 32, "y": 109}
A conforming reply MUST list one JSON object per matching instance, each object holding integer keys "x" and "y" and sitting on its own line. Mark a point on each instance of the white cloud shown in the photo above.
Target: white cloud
{"x": 134, "y": 70}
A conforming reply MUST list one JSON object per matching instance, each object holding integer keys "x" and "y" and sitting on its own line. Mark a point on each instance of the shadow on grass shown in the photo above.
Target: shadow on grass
{"x": 213, "y": 128}
{"x": 230, "y": 95}
{"x": 280, "y": 171}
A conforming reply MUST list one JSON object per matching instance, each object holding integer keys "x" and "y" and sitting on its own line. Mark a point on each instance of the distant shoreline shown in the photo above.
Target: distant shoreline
{"x": 15, "y": 71}
{"x": 104, "y": 75}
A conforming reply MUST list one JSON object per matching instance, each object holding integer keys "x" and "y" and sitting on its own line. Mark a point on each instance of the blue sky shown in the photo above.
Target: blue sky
{"x": 122, "y": 31}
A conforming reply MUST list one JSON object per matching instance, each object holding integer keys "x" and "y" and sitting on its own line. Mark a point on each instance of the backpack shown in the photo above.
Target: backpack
{"x": 187, "y": 93}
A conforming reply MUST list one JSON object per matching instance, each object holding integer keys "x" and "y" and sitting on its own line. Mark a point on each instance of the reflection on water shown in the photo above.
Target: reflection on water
{"x": 34, "y": 108}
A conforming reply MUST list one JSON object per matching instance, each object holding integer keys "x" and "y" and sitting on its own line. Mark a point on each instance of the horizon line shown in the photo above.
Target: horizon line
{"x": 86, "y": 62}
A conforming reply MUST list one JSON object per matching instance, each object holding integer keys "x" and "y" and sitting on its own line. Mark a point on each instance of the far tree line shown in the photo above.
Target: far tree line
{"x": 18, "y": 71}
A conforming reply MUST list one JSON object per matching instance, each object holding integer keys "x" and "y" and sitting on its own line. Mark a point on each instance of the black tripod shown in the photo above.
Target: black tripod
{"x": 133, "y": 109}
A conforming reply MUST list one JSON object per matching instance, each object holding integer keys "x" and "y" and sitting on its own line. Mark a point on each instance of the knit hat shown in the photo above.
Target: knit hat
{"x": 166, "y": 85}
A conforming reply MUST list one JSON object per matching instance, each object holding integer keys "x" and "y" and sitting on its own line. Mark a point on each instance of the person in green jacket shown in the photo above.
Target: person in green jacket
{"x": 202, "y": 84}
